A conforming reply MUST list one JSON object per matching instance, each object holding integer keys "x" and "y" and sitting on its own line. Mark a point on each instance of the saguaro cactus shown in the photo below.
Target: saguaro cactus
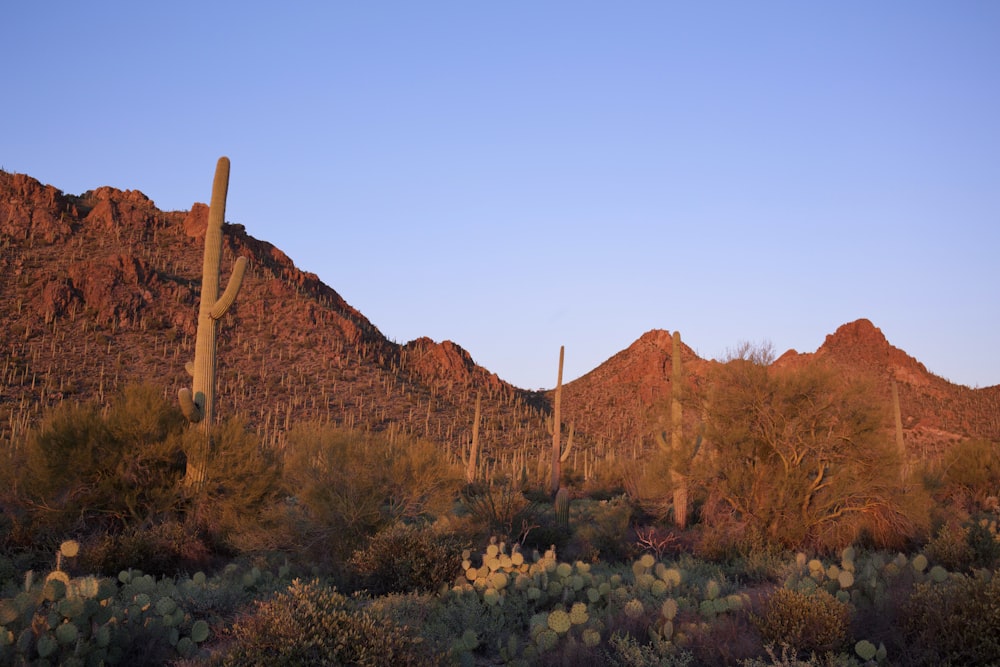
{"x": 472, "y": 463}
{"x": 677, "y": 447}
{"x": 558, "y": 455}
{"x": 198, "y": 403}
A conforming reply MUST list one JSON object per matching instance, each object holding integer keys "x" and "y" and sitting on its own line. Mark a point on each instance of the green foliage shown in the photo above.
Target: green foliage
{"x": 953, "y": 622}
{"x": 599, "y": 529}
{"x": 349, "y": 484}
{"x": 971, "y": 473}
{"x": 972, "y": 544}
{"x": 163, "y": 549}
{"x": 501, "y": 507}
{"x": 404, "y": 558}
{"x": 806, "y": 458}
{"x": 119, "y": 468}
{"x": 132, "y": 620}
{"x": 311, "y": 624}
{"x": 809, "y": 623}
{"x": 240, "y": 485}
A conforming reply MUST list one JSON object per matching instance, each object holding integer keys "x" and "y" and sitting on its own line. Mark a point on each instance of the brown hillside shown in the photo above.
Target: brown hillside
{"x": 101, "y": 289}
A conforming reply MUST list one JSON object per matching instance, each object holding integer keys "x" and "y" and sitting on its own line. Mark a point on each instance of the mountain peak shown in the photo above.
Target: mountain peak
{"x": 860, "y": 343}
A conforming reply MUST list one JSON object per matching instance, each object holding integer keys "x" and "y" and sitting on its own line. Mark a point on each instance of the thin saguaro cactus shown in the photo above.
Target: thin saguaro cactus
{"x": 198, "y": 403}
{"x": 558, "y": 455}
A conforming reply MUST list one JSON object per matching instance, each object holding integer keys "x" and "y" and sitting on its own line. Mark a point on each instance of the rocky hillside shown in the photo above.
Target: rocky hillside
{"x": 101, "y": 289}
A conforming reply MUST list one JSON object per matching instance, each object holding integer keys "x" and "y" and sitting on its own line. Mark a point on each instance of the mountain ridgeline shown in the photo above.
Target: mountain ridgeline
{"x": 101, "y": 290}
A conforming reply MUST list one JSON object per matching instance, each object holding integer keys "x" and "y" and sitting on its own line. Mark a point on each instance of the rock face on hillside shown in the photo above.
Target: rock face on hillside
{"x": 104, "y": 291}
{"x": 101, "y": 289}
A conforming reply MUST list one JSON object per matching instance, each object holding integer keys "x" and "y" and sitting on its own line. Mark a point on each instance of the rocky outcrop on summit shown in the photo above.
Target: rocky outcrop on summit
{"x": 446, "y": 363}
{"x": 29, "y": 209}
{"x": 616, "y": 400}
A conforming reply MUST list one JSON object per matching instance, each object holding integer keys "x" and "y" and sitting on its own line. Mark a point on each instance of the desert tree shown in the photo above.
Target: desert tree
{"x": 805, "y": 455}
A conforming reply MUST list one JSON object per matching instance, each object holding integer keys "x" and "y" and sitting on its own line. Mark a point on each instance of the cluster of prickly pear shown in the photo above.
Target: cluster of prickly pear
{"x": 91, "y": 620}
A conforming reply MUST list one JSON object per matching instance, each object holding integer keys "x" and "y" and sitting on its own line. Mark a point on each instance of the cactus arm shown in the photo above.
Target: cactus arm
{"x": 232, "y": 289}
{"x": 569, "y": 445}
{"x": 191, "y": 410}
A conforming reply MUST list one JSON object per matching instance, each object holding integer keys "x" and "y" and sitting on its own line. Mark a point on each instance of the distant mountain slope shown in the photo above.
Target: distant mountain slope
{"x": 102, "y": 289}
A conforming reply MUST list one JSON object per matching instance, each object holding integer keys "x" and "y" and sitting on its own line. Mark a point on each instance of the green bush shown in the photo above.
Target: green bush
{"x": 349, "y": 484}
{"x": 243, "y": 482}
{"x": 163, "y": 549}
{"x": 971, "y": 473}
{"x": 954, "y": 622}
{"x": 311, "y": 624}
{"x": 809, "y": 623}
{"x": 501, "y": 507}
{"x": 113, "y": 470}
{"x": 405, "y": 558}
{"x": 950, "y": 547}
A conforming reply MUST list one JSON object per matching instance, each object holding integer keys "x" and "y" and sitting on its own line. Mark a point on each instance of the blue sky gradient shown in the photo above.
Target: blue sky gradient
{"x": 523, "y": 175}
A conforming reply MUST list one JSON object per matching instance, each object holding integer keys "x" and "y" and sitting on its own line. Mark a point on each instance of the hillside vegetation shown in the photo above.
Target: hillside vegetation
{"x": 365, "y": 502}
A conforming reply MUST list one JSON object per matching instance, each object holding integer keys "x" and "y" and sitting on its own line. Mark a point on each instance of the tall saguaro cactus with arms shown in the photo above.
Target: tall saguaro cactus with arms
{"x": 198, "y": 403}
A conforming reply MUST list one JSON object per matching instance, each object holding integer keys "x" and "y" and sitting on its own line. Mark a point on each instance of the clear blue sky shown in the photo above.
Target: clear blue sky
{"x": 516, "y": 176}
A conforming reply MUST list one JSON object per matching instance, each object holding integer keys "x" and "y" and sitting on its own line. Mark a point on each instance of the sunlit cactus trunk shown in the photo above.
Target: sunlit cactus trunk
{"x": 557, "y": 454}
{"x": 198, "y": 403}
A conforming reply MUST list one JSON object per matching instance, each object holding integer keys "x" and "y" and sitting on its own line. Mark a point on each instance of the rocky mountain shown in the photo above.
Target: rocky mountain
{"x": 101, "y": 289}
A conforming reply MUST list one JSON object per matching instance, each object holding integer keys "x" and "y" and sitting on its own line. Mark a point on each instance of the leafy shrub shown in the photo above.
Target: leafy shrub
{"x": 972, "y": 473}
{"x": 809, "y": 623}
{"x": 349, "y": 484}
{"x": 115, "y": 469}
{"x": 954, "y": 622}
{"x": 163, "y": 549}
{"x": 404, "y": 558}
{"x": 950, "y": 547}
{"x": 242, "y": 482}
{"x": 311, "y": 624}
{"x": 501, "y": 507}
{"x": 600, "y": 529}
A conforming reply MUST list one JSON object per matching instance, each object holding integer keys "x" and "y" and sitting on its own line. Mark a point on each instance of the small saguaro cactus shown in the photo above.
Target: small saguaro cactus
{"x": 198, "y": 403}
{"x": 472, "y": 463}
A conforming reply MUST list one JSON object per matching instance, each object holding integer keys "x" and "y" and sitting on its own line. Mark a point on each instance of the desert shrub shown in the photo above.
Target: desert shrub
{"x": 984, "y": 542}
{"x": 162, "y": 549}
{"x": 311, "y": 624}
{"x": 404, "y": 558}
{"x": 954, "y": 622}
{"x": 971, "y": 474}
{"x": 950, "y": 547}
{"x": 113, "y": 470}
{"x": 807, "y": 461}
{"x": 809, "y": 623}
{"x": 502, "y": 508}
{"x": 601, "y": 530}
{"x": 624, "y": 650}
{"x": 348, "y": 484}
{"x": 962, "y": 547}
{"x": 242, "y": 482}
